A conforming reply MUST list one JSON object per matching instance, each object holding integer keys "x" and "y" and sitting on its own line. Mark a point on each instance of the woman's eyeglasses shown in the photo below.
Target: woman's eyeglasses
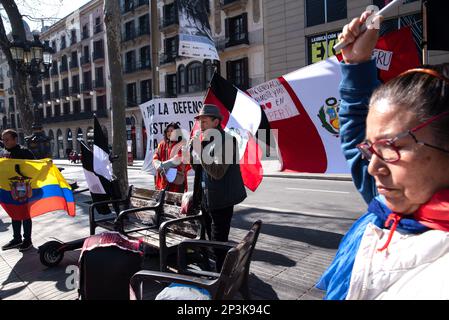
{"x": 386, "y": 149}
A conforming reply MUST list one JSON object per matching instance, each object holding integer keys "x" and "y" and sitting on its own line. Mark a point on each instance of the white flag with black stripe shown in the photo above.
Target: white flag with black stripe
{"x": 102, "y": 164}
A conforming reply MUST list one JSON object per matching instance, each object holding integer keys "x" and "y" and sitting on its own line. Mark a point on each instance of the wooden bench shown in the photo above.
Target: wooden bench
{"x": 221, "y": 286}
{"x": 152, "y": 216}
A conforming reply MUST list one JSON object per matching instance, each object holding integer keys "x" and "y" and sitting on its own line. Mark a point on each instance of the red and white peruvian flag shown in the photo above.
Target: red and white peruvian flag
{"x": 241, "y": 118}
{"x": 302, "y": 106}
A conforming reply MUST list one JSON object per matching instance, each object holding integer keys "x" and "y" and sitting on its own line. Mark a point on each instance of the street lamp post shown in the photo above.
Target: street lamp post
{"x": 34, "y": 59}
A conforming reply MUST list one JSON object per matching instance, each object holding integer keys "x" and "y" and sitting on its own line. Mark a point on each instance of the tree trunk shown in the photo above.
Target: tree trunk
{"x": 112, "y": 20}
{"x": 20, "y": 79}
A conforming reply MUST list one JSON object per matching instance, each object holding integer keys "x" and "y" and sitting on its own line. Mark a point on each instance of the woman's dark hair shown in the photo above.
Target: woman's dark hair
{"x": 424, "y": 93}
{"x": 173, "y": 125}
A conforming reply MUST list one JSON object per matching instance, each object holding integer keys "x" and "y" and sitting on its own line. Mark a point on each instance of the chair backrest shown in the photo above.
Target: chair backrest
{"x": 235, "y": 268}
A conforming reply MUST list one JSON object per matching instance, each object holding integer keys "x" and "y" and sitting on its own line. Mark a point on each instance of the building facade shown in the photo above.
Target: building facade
{"x": 298, "y": 33}
{"x": 136, "y": 62}
{"x": 237, "y": 29}
{"x": 75, "y": 87}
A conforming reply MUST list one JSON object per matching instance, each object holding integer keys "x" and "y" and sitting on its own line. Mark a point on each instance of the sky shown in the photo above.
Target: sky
{"x": 48, "y": 10}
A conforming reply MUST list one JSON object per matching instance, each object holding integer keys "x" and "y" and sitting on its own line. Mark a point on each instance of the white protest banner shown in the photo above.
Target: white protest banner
{"x": 158, "y": 113}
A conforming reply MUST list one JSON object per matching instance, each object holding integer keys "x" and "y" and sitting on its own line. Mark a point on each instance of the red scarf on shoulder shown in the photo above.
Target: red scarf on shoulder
{"x": 434, "y": 214}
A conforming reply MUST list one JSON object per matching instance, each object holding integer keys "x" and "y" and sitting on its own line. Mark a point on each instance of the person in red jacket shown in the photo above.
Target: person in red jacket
{"x": 168, "y": 156}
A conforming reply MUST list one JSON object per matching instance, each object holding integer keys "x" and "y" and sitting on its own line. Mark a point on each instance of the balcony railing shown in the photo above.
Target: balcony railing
{"x": 55, "y": 95}
{"x": 85, "y": 35}
{"x": 167, "y": 21}
{"x": 64, "y": 68}
{"x": 144, "y": 65}
{"x": 144, "y": 31}
{"x": 64, "y": 92}
{"x": 85, "y": 60}
{"x": 86, "y": 86}
{"x": 130, "y": 67}
{"x": 98, "y": 28}
{"x": 74, "y": 63}
{"x": 142, "y": 3}
{"x": 129, "y": 34}
{"x": 100, "y": 113}
{"x": 98, "y": 54}
{"x": 167, "y": 58}
{"x": 54, "y": 71}
{"x": 235, "y": 42}
{"x": 74, "y": 90}
{"x": 98, "y": 84}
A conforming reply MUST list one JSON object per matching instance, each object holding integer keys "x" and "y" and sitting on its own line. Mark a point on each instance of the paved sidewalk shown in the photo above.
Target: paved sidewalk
{"x": 291, "y": 254}
{"x": 270, "y": 169}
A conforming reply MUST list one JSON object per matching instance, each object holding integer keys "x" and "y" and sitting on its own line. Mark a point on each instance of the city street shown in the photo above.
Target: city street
{"x": 303, "y": 222}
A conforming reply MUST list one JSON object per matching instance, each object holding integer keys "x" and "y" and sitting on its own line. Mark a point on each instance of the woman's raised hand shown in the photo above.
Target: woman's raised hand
{"x": 361, "y": 44}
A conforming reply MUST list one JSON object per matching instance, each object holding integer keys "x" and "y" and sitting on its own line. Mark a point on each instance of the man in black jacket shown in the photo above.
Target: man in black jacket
{"x": 218, "y": 181}
{"x": 16, "y": 151}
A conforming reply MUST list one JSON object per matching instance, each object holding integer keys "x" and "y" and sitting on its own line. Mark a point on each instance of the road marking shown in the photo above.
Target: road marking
{"x": 300, "y": 212}
{"x": 317, "y": 190}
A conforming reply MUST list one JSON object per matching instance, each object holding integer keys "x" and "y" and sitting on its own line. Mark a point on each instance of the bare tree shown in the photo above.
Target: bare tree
{"x": 24, "y": 101}
{"x": 113, "y": 35}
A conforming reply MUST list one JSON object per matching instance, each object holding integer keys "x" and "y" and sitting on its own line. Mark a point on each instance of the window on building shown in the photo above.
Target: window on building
{"x": 195, "y": 76}
{"x": 128, "y": 5}
{"x": 170, "y": 85}
{"x": 383, "y": 3}
{"x": 12, "y": 106}
{"x": 53, "y": 46}
{"x": 182, "y": 88}
{"x": 145, "y": 57}
{"x": 75, "y": 84}
{"x": 73, "y": 39}
{"x": 131, "y": 94}
{"x": 57, "y": 110}
{"x": 13, "y": 120}
{"x": 65, "y": 87}
{"x": 171, "y": 48}
{"x": 48, "y": 111}
{"x": 144, "y": 24}
{"x": 145, "y": 90}
{"x": 47, "y": 92}
{"x": 66, "y": 108}
{"x": 87, "y": 81}
{"x": 321, "y": 46}
{"x": 130, "y": 61}
{"x": 98, "y": 25}
{"x": 236, "y": 30}
{"x": 86, "y": 54}
{"x": 88, "y": 105}
{"x": 170, "y": 14}
{"x": 130, "y": 32}
{"x": 56, "y": 89}
{"x": 98, "y": 49}
{"x": 209, "y": 69}
{"x": 74, "y": 59}
{"x": 99, "y": 77}
{"x": 63, "y": 43}
{"x": 322, "y": 11}
{"x": 19, "y": 123}
{"x": 237, "y": 73}
{"x": 85, "y": 31}
{"x": 76, "y": 106}
{"x": 101, "y": 103}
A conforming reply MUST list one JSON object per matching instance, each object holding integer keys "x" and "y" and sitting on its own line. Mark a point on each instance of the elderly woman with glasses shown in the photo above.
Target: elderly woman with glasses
{"x": 395, "y": 137}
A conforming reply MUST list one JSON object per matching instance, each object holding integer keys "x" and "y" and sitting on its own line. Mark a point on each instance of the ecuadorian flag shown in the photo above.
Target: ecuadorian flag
{"x": 29, "y": 188}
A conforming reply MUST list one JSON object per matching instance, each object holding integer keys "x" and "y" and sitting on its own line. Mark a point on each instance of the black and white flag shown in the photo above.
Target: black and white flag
{"x": 97, "y": 167}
